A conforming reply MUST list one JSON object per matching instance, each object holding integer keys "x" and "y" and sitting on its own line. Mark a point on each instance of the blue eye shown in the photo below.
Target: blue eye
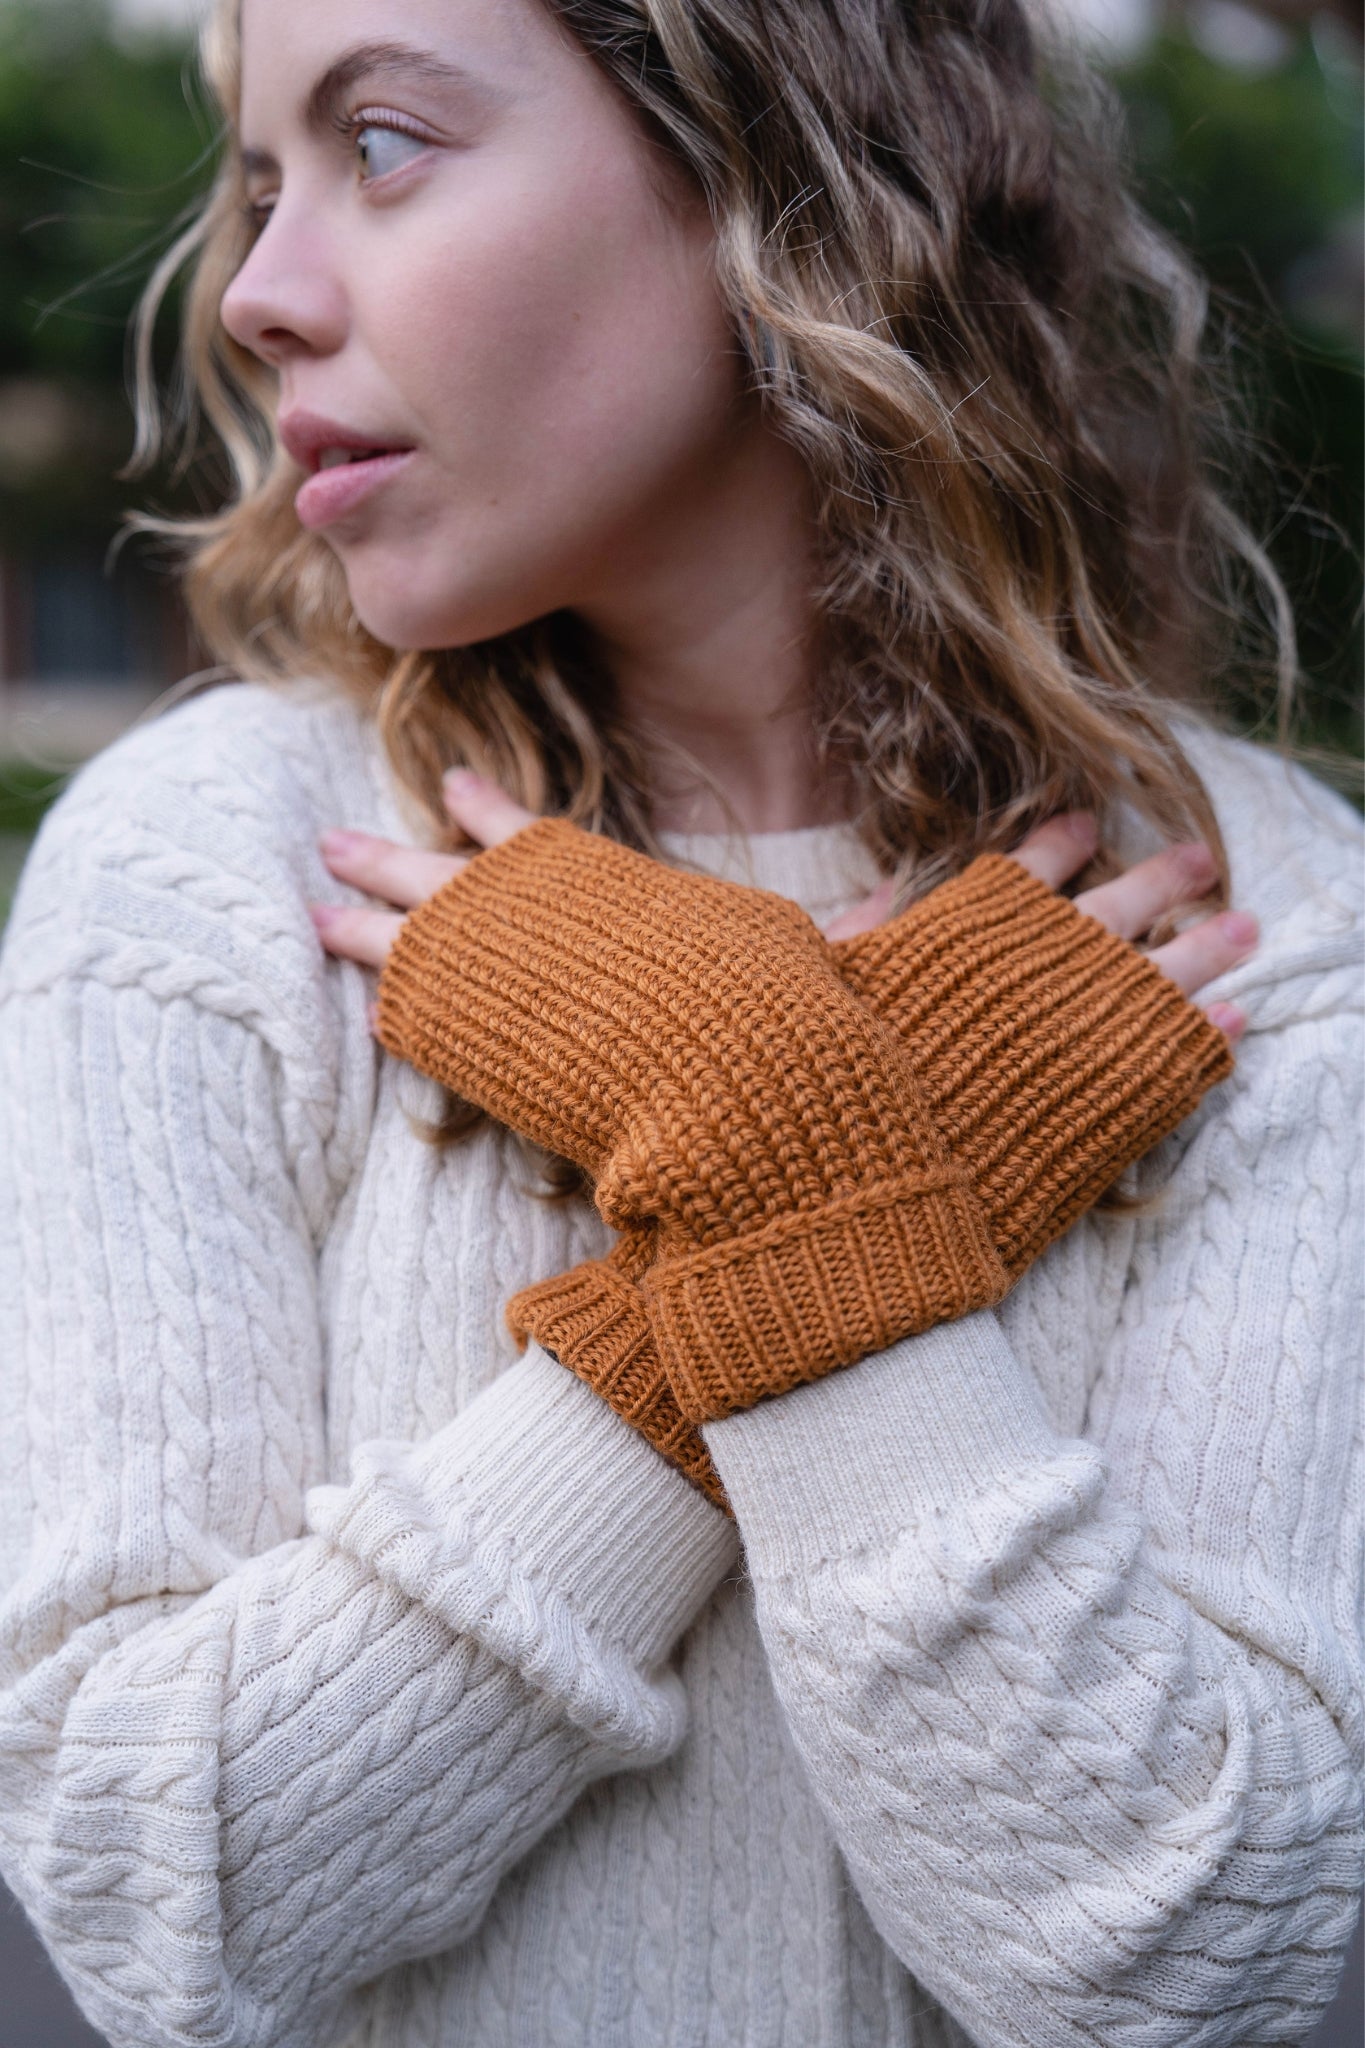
{"x": 376, "y": 147}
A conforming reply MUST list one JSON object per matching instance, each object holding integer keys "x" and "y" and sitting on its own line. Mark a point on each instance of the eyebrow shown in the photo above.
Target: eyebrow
{"x": 366, "y": 60}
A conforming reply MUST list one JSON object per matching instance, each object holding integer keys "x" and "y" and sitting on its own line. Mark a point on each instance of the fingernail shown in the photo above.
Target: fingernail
{"x": 339, "y": 841}
{"x": 1239, "y": 926}
{"x": 1228, "y": 1019}
{"x": 322, "y": 913}
{"x": 1196, "y": 858}
{"x": 458, "y": 780}
{"x": 1081, "y": 825}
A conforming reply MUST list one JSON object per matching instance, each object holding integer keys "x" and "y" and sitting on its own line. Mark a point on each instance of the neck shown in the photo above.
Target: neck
{"x": 706, "y": 631}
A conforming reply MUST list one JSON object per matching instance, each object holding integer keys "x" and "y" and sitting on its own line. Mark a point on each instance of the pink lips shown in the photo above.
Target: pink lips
{"x": 331, "y": 493}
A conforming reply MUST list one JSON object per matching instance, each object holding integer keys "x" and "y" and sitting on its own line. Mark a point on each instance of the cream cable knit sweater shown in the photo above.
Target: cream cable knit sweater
{"x": 363, "y": 1682}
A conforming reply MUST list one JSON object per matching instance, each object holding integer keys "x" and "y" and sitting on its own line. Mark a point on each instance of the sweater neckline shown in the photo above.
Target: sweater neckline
{"x": 823, "y": 868}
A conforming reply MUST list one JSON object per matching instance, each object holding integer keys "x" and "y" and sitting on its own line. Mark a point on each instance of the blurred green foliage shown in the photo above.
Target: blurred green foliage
{"x": 102, "y": 146}
{"x": 25, "y": 793}
{"x": 98, "y": 144}
{"x": 1251, "y": 169}
{"x": 1260, "y": 175}
{"x": 26, "y": 790}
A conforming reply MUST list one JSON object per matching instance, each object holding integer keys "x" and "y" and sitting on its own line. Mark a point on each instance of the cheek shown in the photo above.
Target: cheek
{"x": 563, "y": 355}
{"x": 559, "y": 333}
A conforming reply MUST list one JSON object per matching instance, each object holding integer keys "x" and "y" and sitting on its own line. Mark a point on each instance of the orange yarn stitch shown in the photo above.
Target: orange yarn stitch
{"x": 690, "y": 1044}
{"x": 1052, "y": 1053}
{"x": 1049, "y": 1053}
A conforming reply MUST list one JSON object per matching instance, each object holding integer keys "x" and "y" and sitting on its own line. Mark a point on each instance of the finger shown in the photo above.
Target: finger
{"x": 1207, "y": 949}
{"x": 1131, "y": 903}
{"x": 1058, "y": 848}
{"x": 354, "y": 934}
{"x": 1227, "y": 1018}
{"x": 399, "y": 874}
{"x": 481, "y": 809}
{"x": 864, "y": 916}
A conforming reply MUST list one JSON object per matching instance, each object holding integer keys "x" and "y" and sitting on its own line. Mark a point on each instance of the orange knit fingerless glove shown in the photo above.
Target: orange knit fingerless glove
{"x": 1052, "y": 1053}
{"x": 689, "y": 1043}
{"x": 595, "y": 1320}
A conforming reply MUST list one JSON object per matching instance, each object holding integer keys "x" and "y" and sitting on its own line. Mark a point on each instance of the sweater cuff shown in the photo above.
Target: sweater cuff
{"x": 544, "y": 1484}
{"x": 754, "y": 1315}
{"x": 863, "y": 1455}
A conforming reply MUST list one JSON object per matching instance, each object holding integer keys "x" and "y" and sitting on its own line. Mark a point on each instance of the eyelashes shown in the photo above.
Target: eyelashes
{"x": 351, "y": 127}
{"x": 359, "y": 127}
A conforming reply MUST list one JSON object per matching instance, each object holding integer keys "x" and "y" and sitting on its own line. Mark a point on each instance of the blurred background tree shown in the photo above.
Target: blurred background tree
{"x": 1247, "y": 136}
{"x": 1246, "y": 128}
{"x": 103, "y": 143}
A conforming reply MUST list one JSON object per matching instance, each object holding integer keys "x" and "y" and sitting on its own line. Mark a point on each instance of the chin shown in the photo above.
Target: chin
{"x": 409, "y": 618}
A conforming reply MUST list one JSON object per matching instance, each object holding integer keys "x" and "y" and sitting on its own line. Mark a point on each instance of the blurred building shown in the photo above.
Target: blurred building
{"x": 83, "y": 647}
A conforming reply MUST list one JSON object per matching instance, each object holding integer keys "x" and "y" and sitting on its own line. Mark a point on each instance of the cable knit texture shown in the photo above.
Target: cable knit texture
{"x": 689, "y": 1042}
{"x": 1051, "y": 1053}
{"x": 363, "y": 1682}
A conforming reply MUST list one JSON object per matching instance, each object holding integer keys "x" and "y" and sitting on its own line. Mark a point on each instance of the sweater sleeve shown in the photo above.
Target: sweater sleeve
{"x": 1085, "y": 1713}
{"x": 263, "y": 1736}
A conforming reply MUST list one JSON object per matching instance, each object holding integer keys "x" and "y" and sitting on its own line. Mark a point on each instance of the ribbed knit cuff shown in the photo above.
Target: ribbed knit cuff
{"x": 544, "y": 1474}
{"x": 595, "y": 1321}
{"x": 931, "y": 1426}
{"x": 807, "y": 1293}
{"x": 1052, "y": 1052}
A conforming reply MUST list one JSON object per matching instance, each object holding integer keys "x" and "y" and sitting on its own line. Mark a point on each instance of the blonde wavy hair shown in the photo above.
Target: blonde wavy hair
{"x": 992, "y": 364}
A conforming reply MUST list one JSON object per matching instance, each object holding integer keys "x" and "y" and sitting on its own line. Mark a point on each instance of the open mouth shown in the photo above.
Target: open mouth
{"x": 337, "y": 458}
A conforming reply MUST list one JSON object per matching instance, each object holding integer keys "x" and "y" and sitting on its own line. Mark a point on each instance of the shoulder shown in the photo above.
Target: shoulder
{"x": 1283, "y": 1132}
{"x": 1296, "y": 851}
{"x": 183, "y": 856}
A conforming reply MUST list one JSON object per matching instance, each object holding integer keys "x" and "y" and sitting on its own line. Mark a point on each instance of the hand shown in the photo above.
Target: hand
{"x": 691, "y": 1044}
{"x": 405, "y": 875}
{"x": 595, "y": 1319}
{"x": 1128, "y": 906}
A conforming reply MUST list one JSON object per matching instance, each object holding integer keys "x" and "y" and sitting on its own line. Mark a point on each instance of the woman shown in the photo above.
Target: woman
{"x": 776, "y": 418}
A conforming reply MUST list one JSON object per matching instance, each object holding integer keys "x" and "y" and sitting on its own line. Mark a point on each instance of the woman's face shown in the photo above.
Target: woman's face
{"x": 466, "y": 256}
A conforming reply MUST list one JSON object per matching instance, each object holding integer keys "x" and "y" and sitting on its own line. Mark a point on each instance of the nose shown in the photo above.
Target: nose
{"x": 287, "y": 299}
